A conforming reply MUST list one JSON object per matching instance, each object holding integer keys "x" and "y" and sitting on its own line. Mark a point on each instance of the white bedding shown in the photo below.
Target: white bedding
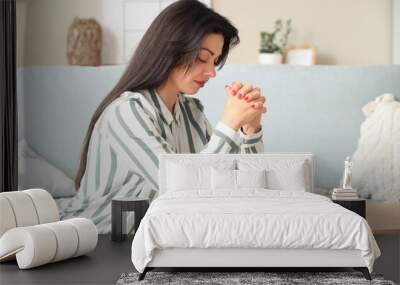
{"x": 251, "y": 218}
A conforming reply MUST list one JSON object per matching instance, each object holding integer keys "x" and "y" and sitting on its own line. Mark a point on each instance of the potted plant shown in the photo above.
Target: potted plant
{"x": 272, "y": 44}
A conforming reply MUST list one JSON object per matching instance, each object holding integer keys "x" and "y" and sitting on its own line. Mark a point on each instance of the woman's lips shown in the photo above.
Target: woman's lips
{"x": 200, "y": 83}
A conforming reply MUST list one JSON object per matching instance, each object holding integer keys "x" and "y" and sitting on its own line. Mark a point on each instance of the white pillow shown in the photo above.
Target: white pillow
{"x": 223, "y": 179}
{"x": 251, "y": 178}
{"x": 187, "y": 174}
{"x": 36, "y": 172}
{"x": 282, "y": 174}
{"x": 182, "y": 177}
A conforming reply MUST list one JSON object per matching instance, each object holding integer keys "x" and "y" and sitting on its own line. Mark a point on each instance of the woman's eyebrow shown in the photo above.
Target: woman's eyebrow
{"x": 212, "y": 53}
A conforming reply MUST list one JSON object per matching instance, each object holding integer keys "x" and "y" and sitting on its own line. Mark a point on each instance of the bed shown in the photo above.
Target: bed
{"x": 245, "y": 211}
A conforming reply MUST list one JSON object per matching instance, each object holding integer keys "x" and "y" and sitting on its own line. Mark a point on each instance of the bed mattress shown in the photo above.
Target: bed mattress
{"x": 250, "y": 219}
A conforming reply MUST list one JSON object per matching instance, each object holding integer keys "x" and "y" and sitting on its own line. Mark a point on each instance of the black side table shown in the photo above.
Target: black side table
{"x": 119, "y": 207}
{"x": 358, "y": 206}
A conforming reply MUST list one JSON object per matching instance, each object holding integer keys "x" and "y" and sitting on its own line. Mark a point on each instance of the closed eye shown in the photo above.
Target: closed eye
{"x": 205, "y": 61}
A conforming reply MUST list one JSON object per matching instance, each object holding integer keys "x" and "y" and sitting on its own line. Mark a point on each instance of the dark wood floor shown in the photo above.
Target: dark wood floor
{"x": 110, "y": 259}
{"x": 102, "y": 266}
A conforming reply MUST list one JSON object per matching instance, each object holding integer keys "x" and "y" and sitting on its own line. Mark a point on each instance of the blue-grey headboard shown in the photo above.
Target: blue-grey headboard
{"x": 310, "y": 109}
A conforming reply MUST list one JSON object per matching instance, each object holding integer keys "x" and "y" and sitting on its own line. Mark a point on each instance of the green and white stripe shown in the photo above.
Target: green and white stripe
{"x": 125, "y": 144}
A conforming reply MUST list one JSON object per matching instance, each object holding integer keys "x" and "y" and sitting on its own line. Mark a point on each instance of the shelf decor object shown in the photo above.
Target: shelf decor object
{"x": 84, "y": 42}
{"x": 304, "y": 54}
{"x": 273, "y": 43}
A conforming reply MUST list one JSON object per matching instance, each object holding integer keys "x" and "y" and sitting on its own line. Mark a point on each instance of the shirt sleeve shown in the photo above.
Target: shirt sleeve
{"x": 223, "y": 139}
{"x": 135, "y": 135}
{"x": 252, "y": 143}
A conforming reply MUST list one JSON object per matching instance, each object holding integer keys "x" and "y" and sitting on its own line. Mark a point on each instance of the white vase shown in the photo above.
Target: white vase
{"x": 270, "y": 58}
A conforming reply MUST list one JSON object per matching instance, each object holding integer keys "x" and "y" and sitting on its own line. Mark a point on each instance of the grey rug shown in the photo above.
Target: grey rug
{"x": 230, "y": 278}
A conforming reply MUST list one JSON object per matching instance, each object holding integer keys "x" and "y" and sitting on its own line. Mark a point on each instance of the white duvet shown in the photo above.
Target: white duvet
{"x": 253, "y": 218}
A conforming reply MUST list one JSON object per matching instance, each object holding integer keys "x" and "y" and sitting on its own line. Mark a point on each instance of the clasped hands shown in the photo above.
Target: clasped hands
{"x": 244, "y": 107}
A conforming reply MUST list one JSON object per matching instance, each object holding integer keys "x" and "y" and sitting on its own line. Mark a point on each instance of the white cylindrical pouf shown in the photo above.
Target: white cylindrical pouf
{"x": 46, "y": 207}
{"x": 33, "y": 246}
{"x": 87, "y": 233}
{"x": 23, "y": 208}
{"x": 40, "y": 247}
{"x": 40, "y": 244}
{"x": 67, "y": 240}
{"x": 7, "y": 218}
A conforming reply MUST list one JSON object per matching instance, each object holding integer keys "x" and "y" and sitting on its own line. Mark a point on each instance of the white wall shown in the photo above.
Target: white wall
{"x": 46, "y": 25}
{"x": 396, "y": 34}
{"x": 344, "y": 32}
{"x": 124, "y": 24}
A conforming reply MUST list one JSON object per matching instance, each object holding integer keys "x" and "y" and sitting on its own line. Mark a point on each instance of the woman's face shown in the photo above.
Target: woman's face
{"x": 202, "y": 69}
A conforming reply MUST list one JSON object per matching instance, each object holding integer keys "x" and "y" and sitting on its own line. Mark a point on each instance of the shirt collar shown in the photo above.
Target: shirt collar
{"x": 178, "y": 110}
{"x": 163, "y": 110}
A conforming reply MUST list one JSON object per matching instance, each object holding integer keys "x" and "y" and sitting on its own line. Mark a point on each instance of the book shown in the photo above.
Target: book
{"x": 345, "y": 198}
{"x": 344, "y": 194}
{"x": 341, "y": 190}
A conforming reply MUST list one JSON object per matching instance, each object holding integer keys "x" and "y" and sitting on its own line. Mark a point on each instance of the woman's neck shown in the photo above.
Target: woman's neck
{"x": 168, "y": 93}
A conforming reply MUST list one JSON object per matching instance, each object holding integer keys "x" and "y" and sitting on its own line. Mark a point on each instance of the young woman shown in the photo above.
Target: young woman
{"x": 151, "y": 111}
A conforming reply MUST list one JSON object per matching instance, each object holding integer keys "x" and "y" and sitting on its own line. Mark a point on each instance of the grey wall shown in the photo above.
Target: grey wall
{"x": 315, "y": 109}
{"x": 20, "y": 104}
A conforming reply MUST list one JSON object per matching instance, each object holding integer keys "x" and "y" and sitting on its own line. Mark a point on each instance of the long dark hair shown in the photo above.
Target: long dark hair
{"x": 173, "y": 39}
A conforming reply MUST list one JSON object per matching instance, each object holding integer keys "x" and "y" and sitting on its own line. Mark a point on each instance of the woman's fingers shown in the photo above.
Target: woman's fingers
{"x": 260, "y": 99}
{"x": 235, "y": 87}
{"x": 258, "y": 104}
{"x": 253, "y": 95}
{"x": 230, "y": 90}
{"x": 244, "y": 90}
{"x": 240, "y": 111}
{"x": 237, "y": 84}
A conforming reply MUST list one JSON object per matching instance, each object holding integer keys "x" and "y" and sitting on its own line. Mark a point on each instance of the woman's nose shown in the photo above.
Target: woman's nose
{"x": 211, "y": 71}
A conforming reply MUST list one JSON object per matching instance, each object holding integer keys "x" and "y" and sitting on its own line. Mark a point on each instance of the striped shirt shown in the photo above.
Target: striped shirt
{"x": 122, "y": 159}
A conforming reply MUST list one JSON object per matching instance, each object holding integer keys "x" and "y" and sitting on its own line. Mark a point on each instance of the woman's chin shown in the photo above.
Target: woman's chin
{"x": 191, "y": 91}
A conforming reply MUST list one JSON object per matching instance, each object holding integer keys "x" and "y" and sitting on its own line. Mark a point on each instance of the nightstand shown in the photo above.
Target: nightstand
{"x": 119, "y": 207}
{"x": 358, "y": 206}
